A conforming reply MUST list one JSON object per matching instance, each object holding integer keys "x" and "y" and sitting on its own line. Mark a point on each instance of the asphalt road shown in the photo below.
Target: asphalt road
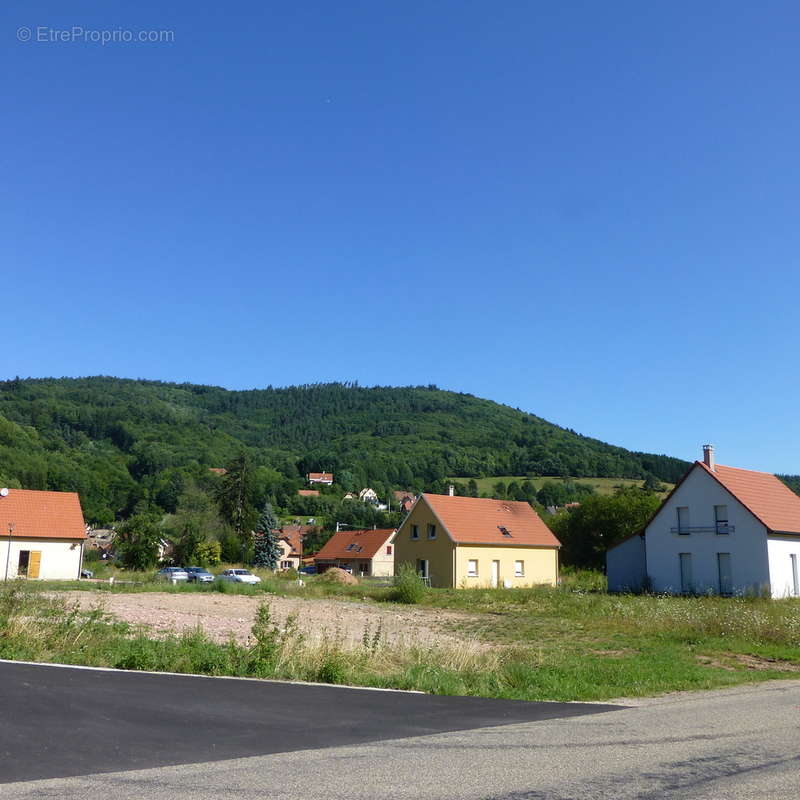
{"x": 723, "y": 745}
{"x": 58, "y": 721}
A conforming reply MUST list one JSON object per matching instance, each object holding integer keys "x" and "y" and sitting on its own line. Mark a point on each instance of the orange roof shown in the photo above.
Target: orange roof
{"x": 766, "y": 497}
{"x": 354, "y": 544}
{"x": 42, "y": 515}
{"x": 308, "y": 493}
{"x": 218, "y": 470}
{"x": 293, "y": 534}
{"x": 403, "y": 495}
{"x": 320, "y": 476}
{"x": 480, "y": 520}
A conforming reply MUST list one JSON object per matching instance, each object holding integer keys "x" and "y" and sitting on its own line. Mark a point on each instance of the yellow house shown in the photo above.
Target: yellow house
{"x": 475, "y": 541}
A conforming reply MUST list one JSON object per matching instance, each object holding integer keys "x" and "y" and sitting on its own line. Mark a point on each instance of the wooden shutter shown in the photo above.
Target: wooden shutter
{"x": 34, "y": 563}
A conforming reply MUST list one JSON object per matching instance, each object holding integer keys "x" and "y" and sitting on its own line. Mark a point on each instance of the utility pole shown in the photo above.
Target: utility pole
{"x": 11, "y": 527}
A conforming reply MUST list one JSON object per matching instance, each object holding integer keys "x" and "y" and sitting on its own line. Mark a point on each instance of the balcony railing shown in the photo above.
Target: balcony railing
{"x": 719, "y": 528}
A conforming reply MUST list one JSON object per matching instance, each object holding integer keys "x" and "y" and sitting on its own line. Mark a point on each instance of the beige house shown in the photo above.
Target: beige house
{"x": 470, "y": 541}
{"x": 41, "y": 535}
{"x": 290, "y": 540}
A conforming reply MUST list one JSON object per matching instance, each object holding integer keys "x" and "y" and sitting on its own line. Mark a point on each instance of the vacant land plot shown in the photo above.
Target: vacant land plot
{"x": 224, "y": 615}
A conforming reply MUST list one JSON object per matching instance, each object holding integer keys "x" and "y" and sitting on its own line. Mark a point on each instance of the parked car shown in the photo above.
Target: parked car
{"x": 172, "y": 574}
{"x": 238, "y": 576}
{"x": 198, "y": 575}
{"x": 308, "y": 570}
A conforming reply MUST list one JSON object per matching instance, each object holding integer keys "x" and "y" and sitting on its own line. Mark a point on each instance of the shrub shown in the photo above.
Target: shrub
{"x": 408, "y": 585}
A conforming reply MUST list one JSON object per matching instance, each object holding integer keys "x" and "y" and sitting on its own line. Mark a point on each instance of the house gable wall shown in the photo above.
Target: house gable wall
{"x": 438, "y": 551}
{"x": 747, "y": 544}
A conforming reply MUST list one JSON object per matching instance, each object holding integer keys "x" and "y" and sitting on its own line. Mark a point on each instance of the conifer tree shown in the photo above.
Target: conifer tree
{"x": 266, "y": 550}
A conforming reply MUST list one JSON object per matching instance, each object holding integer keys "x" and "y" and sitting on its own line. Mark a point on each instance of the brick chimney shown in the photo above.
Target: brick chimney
{"x": 708, "y": 457}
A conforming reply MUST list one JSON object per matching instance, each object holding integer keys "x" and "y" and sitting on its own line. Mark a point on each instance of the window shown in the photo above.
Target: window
{"x": 22, "y": 564}
{"x": 505, "y": 531}
{"x": 472, "y": 568}
{"x": 683, "y": 520}
{"x": 687, "y": 582}
{"x": 388, "y": 549}
{"x": 415, "y": 531}
{"x": 422, "y": 568}
{"x": 721, "y": 519}
{"x": 725, "y": 574}
{"x": 795, "y": 582}
{"x": 431, "y": 531}
{"x": 519, "y": 569}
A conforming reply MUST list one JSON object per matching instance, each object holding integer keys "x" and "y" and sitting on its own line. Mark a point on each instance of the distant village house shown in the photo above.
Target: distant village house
{"x": 325, "y": 478}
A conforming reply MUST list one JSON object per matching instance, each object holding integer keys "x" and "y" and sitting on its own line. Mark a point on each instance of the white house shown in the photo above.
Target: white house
{"x": 41, "y": 535}
{"x": 721, "y": 530}
{"x": 368, "y": 496}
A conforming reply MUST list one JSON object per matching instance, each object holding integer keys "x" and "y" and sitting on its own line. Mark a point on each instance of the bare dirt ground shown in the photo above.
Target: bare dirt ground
{"x": 221, "y": 615}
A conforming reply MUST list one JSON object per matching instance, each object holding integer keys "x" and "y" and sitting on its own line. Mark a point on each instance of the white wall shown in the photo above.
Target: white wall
{"x": 747, "y": 544}
{"x": 625, "y": 566}
{"x": 61, "y": 558}
{"x": 383, "y": 564}
{"x": 780, "y": 549}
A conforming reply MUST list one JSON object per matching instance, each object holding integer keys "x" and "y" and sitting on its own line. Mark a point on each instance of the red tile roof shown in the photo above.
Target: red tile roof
{"x": 308, "y": 493}
{"x": 403, "y": 495}
{"x": 480, "y": 520}
{"x": 42, "y": 515}
{"x": 218, "y": 470}
{"x": 770, "y": 500}
{"x": 346, "y": 544}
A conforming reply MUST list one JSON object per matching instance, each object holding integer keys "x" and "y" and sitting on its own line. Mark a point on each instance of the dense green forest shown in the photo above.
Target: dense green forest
{"x": 123, "y": 443}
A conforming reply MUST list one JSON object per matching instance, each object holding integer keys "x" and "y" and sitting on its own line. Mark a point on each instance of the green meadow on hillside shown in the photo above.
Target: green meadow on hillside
{"x": 600, "y": 485}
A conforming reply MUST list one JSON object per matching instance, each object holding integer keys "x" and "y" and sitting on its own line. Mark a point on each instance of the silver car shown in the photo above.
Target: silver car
{"x": 173, "y": 574}
{"x": 199, "y": 575}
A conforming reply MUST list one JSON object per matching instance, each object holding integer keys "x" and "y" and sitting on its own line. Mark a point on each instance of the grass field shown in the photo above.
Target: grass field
{"x": 575, "y": 642}
{"x": 600, "y": 485}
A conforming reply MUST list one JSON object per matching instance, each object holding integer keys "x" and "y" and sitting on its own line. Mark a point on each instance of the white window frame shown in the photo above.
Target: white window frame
{"x": 519, "y": 569}
{"x": 683, "y": 530}
{"x": 472, "y": 573}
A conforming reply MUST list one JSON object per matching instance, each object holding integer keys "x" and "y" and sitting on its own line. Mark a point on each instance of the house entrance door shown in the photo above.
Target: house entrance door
{"x": 495, "y": 574}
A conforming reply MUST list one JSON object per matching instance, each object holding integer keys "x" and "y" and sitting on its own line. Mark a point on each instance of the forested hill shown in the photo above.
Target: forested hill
{"x": 113, "y": 439}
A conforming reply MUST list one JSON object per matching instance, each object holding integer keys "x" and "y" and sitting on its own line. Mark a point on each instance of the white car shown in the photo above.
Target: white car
{"x": 238, "y": 576}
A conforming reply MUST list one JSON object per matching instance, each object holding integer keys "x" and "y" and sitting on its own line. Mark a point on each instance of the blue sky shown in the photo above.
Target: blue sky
{"x": 586, "y": 210}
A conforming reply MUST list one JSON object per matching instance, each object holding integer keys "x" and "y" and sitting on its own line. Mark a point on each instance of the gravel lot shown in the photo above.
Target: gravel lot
{"x": 221, "y": 615}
